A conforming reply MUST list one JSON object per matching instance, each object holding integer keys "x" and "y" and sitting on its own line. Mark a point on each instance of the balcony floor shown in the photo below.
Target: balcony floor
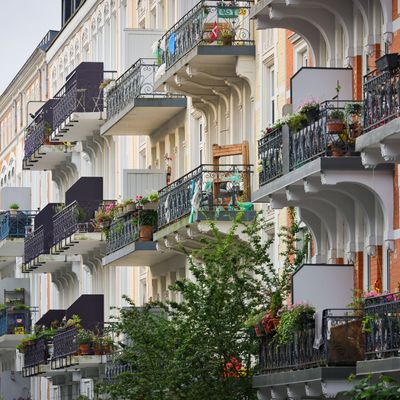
{"x": 79, "y": 243}
{"x": 385, "y": 366}
{"x": 319, "y": 382}
{"x": 137, "y": 254}
{"x": 143, "y": 116}
{"x": 48, "y": 263}
{"x": 212, "y": 60}
{"x": 49, "y": 157}
{"x": 78, "y": 127}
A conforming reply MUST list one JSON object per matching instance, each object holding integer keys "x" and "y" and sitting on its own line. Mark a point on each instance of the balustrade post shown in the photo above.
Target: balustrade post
{"x": 285, "y": 149}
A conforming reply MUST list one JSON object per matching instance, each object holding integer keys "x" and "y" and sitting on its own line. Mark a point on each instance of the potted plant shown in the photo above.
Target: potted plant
{"x": 129, "y": 206}
{"x": 296, "y": 122}
{"x": 387, "y": 62}
{"x": 47, "y": 133}
{"x": 147, "y": 221}
{"x": 107, "y": 344}
{"x": 335, "y": 122}
{"x": 14, "y": 207}
{"x": 80, "y": 214}
{"x": 97, "y": 348}
{"x": 84, "y": 339}
{"x": 352, "y": 113}
{"x": 103, "y": 219}
{"x": 74, "y": 322}
{"x": 227, "y": 37}
{"x": 310, "y": 109}
{"x": 152, "y": 203}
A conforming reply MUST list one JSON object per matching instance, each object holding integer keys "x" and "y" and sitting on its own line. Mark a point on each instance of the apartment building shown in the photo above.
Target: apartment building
{"x": 133, "y": 97}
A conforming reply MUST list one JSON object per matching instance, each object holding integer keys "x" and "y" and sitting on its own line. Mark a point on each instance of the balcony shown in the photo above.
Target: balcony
{"x": 214, "y": 39}
{"x": 75, "y": 231}
{"x": 41, "y": 154}
{"x": 382, "y": 335}
{"x": 115, "y": 366}
{"x": 209, "y": 192}
{"x": 380, "y": 141}
{"x": 78, "y": 108}
{"x": 313, "y": 364}
{"x": 36, "y": 357}
{"x": 14, "y": 227}
{"x": 15, "y": 323}
{"x": 133, "y": 105}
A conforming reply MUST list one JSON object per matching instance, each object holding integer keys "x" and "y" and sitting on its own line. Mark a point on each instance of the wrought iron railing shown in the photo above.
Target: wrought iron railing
{"x": 126, "y": 229}
{"x": 381, "y": 98}
{"x": 341, "y": 344}
{"x": 65, "y": 344}
{"x": 35, "y": 355}
{"x": 116, "y": 366}
{"x": 136, "y": 82}
{"x": 382, "y": 326}
{"x": 76, "y": 217}
{"x": 15, "y": 322}
{"x": 209, "y": 23}
{"x": 206, "y": 188}
{"x": 35, "y": 135}
{"x": 270, "y": 156}
{"x": 34, "y": 245}
{"x": 16, "y": 224}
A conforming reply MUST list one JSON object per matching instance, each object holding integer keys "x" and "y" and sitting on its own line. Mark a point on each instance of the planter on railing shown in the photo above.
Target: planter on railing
{"x": 382, "y": 326}
{"x": 214, "y": 187}
{"x": 270, "y": 156}
{"x": 381, "y": 99}
{"x": 341, "y": 345}
{"x": 208, "y": 23}
{"x": 81, "y": 93}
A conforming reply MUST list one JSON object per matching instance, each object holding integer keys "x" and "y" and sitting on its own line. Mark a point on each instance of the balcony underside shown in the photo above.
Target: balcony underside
{"x": 48, "y": 157}
{"x": 200, "y": 70}
{"x": 143, "y": 116}
{"x": 387, "y": 366}
{"x": 182, "y": 236}
{"x": 79, "y": 243}
{"x": 380, "y": 145}
{"x": 78, "y": 127}
{"x": 320, "y": 382}
{"x": 11, "y": 248}
{"x": 137, "y": 254}
{"x": 49, "y": 263}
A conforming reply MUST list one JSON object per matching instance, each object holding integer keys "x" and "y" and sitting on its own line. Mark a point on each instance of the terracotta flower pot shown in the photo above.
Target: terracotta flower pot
{"x": 84, "y": 349}
{"x": 334, "y": 126}
{"x": 146, "y": 233}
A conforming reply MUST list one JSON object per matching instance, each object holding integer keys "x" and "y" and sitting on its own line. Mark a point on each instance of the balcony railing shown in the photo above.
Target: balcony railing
{"x": 15, "y": 322}
{"x": 126, "y": 230}
{"x": 34, "y": 245}
{"x": 206, "y": 188}
{"x": 341, "y": 345}
{"x": 115, "y": 366}
{"x": 382, "y": 326}
{"x": 381, "y": 98}
{"x": 282, "y": 150}
{"x": 76, "y": 217}
{"x": 81, "y": 93}
{"x": 15, "y": 225}
{"x": 36, "y": 354}
{"x": 35, "y": 135}
{"x": 136, "y": 82}
{"x": 209, "y": 23}
{"x": 65, "y": 345}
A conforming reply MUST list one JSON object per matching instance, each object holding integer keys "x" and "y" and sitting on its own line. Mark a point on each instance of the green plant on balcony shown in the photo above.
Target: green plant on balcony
{"x": 335, "y": 122}
{"x": 385, "y": 389}
{"x": 84, "y": 339}
{"x": 80, "y": 214}
{"x": 19, "y": 307}
{"x": 310, "y": 109}
{"x": 74, "y": 322}
{"x": 147, "y": 222}
{"x": 293, "y": 319}
{"x": 227, "y": 36}
{"x": 153, "y": 196}
{"x": 47, "y": 132}
{"x": 14, "y": 207}
{"x": 119, "y": 227}
{"x": 296, "y": 122}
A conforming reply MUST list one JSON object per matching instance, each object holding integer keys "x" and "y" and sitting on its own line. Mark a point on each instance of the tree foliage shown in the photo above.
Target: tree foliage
{"x": 203, "y": 349}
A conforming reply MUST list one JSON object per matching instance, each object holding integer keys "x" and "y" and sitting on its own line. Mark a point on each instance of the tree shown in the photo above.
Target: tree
{"x": 203, "y": 349}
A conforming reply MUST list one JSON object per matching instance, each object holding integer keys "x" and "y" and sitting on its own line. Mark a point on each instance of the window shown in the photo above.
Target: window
{"x": 201, "y": 143}
{"x": 272, "y": 96}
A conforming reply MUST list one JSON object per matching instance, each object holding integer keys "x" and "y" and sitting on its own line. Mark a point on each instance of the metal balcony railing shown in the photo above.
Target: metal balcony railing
{"x": 282, "y": 150}
{"x": 36, "y": 354}
{"x": 115, "y": 366}
{"x": 211, "y": 187}
{"x": 34, "y": 245}
{"x": 35, "y": 135}
{"x": 65, "y": 344}
{"x": 381, "y": 98}
{"x": 341, "y": 345}
{"x": 382, "y": 326}
{"x": 16, "y": 225}
{"x": 76, "y": 217}
{"x": 126, "y": 230}
{"x": 136, "y": 82}
{"x": 209, "y": 23}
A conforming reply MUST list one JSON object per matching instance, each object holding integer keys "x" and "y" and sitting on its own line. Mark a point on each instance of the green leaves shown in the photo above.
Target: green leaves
{"x": 386, "y": 388}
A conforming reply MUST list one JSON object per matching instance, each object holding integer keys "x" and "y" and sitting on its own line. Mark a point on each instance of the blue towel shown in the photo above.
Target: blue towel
{"x": 172, "y": 43}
